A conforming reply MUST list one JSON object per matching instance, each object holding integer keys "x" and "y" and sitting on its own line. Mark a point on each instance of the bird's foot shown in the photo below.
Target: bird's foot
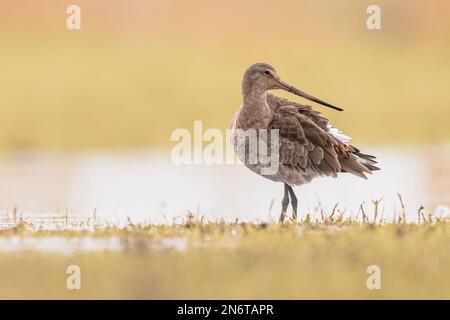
{"x": 294, "y": 216}
{"x": 282, "y": 216}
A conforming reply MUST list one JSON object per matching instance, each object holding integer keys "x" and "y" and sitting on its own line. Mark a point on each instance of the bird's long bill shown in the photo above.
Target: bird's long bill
{"x": 291, "y": 89}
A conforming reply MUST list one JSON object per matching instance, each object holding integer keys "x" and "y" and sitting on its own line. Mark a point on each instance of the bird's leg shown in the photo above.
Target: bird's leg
{"x": 294, "y": 202}
{"x": 284, "y": 203}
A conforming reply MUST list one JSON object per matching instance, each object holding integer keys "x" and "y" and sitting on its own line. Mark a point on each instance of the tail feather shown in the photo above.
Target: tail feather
{"x": 367, "y": 160}
{"x": 358, "y": 163}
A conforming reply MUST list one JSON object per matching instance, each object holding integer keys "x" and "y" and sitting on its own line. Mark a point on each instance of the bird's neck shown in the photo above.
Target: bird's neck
{"x": 255, "y": 113}
{"x": 255, "y": 96}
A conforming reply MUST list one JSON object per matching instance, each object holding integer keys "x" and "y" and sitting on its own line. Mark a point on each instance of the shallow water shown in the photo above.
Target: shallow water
{"x": 147, "y": 186}
{"x": 69, "y": 245}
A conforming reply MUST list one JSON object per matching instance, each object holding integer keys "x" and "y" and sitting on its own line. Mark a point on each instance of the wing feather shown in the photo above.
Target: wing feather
{"x": 303, "y": 144}
{"x": 308, "y": 142}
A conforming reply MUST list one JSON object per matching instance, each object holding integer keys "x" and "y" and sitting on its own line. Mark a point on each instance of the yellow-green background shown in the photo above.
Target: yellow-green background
{"x": 139, "y": 69}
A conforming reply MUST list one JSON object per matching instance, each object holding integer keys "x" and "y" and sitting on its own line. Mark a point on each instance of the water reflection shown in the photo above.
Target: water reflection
{"x": 148, "y": 186}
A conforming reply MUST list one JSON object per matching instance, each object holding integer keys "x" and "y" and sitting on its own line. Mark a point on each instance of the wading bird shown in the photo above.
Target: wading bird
{"x": 307, "y": 145}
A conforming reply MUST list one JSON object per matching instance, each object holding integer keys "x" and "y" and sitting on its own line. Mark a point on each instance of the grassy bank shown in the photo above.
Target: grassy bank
{"x": 233, "y": 260}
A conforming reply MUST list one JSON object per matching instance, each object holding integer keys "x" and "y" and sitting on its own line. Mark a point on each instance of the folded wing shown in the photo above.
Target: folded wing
{"x": 309, "y": 144}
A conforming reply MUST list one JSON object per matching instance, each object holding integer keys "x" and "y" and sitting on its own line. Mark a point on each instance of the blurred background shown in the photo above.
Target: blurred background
{"x": 86, "y": 115}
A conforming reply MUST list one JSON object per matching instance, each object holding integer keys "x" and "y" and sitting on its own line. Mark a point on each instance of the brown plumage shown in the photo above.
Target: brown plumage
{"x": 309, "y": 146}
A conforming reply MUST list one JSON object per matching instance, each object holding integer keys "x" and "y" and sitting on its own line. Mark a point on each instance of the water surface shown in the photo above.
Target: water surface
{"x": 147, "y": 186}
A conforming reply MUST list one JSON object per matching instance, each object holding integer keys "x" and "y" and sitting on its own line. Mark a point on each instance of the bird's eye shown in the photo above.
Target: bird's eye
{"x": 267, "y": 72}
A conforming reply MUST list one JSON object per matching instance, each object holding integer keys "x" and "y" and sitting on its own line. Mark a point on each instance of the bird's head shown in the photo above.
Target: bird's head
{"x": 263, "y": 77}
